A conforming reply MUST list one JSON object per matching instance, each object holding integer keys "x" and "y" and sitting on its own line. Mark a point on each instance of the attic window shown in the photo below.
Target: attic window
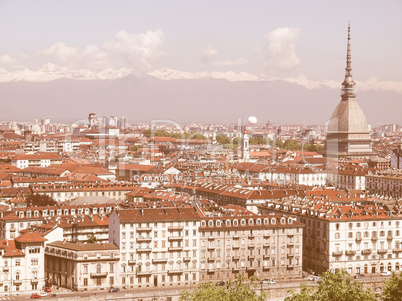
{"x": 266, "y": 221}
{"x": 218, "y": 223}
{"x": 203, "y": 224}
{"x": 273, "y": 221}
{"x": 258, "y": 221}
{"x": 250, "y": 221}
{"x": 290, "y": 221}
{"x": 228, "y": 222}
{"x": 210, "y": 223}
{"x": 235, "y": 222}
{"x": 243, "y": 222}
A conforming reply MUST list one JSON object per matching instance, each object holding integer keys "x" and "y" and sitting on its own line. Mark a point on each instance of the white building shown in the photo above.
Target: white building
{"x": 159, "y": 247}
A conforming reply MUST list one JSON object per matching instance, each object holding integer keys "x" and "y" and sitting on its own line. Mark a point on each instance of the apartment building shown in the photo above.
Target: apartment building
{"x": 387, "y": 183}
{"x": 22, "y": 262}
{"x": 36, "y": 160}
{"x": 67, "y": 192}
{"x": 159, "y": 247}
{"x": 268, "y": 246}
{"x": 82, "y": 266}
{"x": 362, "y": 237}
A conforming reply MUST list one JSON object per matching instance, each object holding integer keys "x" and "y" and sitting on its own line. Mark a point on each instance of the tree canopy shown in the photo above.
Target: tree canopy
{"x": 334, "y": 286}
{"x": 393, "y": 288}
{"x": 40, "y": 200}
{"x": 235, "y": 289}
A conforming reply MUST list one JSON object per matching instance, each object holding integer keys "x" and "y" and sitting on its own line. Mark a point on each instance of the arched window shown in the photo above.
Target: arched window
{"x": 350, "y": 235}
{"x": 98, "y": 268}
{"x": 17, "y": 276}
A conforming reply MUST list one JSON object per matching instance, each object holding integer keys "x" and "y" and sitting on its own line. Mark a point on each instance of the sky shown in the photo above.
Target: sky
{"x": 301, "y": 41}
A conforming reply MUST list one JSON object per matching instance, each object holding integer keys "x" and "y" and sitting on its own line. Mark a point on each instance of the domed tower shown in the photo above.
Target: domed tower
{"x": 348, "y": 133}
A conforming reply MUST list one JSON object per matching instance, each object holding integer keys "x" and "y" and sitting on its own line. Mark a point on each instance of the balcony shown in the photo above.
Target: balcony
{"x": 290, "y": 243}
{"x": 236, "y": 258}
{"x": 12, "y": 230}
{"x": 382, "y": 251}
{"x": 291, "y": 255}
{"x": 366, "y": 252}
{"x": 175, "y": 228}
{"x": 144, "y": 250}
{"x": 99, "y": 275}
{"x": 211, "y": 270}
{"x": 337, "y": 253}
{"x": 236, "y": 269}
{"x": 6, "y": 269}
{"x": 266, "y": 245}
{"x": 251, "y": 257}
{"x": 210, "y": 248}
{"x": 266, "y": 236}
{"x": 175, "y": 238}
{"x": 290, "y": 266}
{"x": 211, "y": 237}
{"x": 375, "y": 238}
{"x": 174, "y": 272}
{"x": 236, "y": 236}
{"x": 130, "y": 262}
{"x": 251, "y": 236}
{"x": 186, "y": 259}
{"x": 236, "y": 247}
{"x": 175, "y": 249}
{"x": 251, "y": 246}
{"x": 359, "y": 239}
{"x": 266, "y": 256}
{"x": 350, "y": 252}
{"x": 144, "y": 239}
{"x": 390, "y": 237}
{"x": 144, "y": 273}
{"x": 159, "y": 260}
{"x": 251, "y": 268}
{"x": 210, "y": 259}
{"x": 34, "y": 281}
{"x": 397, "y": 250}
{"x": 144, "y": 229}
{"x": 266, "y": 267}
{"x": 17, "y": 282}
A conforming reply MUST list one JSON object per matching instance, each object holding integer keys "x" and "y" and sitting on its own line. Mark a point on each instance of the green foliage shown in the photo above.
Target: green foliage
{"x": 392, "y": 289}
{"x": 40, "y": 200}
{"x": 91, "y": 239}
{"x": 135, "y": 148}
{"x": 257, "y": 140}
{"x": 163, "y": 133}
{"x": 222, "y": 139}
{"x": 233, "y": 290}
{"x": 334, "y": 286}
{"x": 292, "y": 145}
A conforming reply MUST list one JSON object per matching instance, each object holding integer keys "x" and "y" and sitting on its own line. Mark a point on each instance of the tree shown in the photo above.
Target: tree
{"x": 221, "y": 139}
{"x": 40, "y": 200}
{"x": 233, "y": 290}
{"x": 91, "y": 239}
{"x": 393, "y": 288}
{"x": 135, "y": 148}
{"x": 334, "y": 286}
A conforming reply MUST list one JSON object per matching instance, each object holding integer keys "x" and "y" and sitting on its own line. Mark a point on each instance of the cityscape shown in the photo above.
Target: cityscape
{"x": 125, "y": 179}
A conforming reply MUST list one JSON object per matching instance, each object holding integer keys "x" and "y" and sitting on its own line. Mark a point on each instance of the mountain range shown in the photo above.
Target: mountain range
{"x": 67, "y": 95}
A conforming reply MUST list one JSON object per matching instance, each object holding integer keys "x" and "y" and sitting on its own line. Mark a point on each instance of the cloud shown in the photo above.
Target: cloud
{"x": 280, "y": 51}
{"x": 60, "y": 52}
{"x": 209, "y": 54}
{"x": 139, "y": 51}
{"x": 11, "y": 58}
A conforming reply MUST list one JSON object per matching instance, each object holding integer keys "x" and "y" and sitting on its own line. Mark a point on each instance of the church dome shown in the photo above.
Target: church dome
{"x": 36, "y": 129}
{"x": 348, "y": 117}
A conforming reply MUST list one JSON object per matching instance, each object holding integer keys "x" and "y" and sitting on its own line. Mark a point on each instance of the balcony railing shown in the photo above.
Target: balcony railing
{"x": 99, "y": 275}
{"x": 382, "y": 251}
{"x": 144, "y": 250}
{"x": 350, "y": 252}
{"x": 359, "y": 238}
{"x": 186, "y": 258}
{"x": 144, "y": 229}
{"x": 144, "y": 239}
{"x": 337, "y": 253}
{"x": 175, "y": 249}
{"x": 171, "y": 272}
{"x": 131, "y": 262}
{"x": 374, "y": 238}
{"x": 252, "y": 245}
{"x": 175, "y": 238}
{"x": 397, "y": 250}
{"x": 366, "y": 251}
{"x": 144, "y": 273}
{"x": 159, "y": 260}
{"x": 175, "y": 228}
{"x": 236, "y": 258}
{"x": 390, "y": 237}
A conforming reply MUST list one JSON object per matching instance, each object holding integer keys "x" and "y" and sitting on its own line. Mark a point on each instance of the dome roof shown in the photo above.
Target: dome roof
{"x": 36, "y": 129}
{"x": 348, "y": 117}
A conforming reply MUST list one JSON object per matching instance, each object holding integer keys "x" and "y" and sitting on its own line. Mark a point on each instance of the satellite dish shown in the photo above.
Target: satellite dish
{"x": 252, "y": 120}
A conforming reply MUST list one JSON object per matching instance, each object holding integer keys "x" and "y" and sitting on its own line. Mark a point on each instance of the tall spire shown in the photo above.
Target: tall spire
{"x": 348, "y": 84}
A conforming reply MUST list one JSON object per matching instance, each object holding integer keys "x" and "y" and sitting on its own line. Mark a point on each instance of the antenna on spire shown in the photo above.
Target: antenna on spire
{"x": 348, "y": 84}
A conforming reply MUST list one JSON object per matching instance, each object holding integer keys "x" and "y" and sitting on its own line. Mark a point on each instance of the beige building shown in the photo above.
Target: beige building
{"x": 268, "y": 246}
{"x": 385, "y": 184}
{"x": 159, "y": 247}
{"x": 82, "y": 266}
